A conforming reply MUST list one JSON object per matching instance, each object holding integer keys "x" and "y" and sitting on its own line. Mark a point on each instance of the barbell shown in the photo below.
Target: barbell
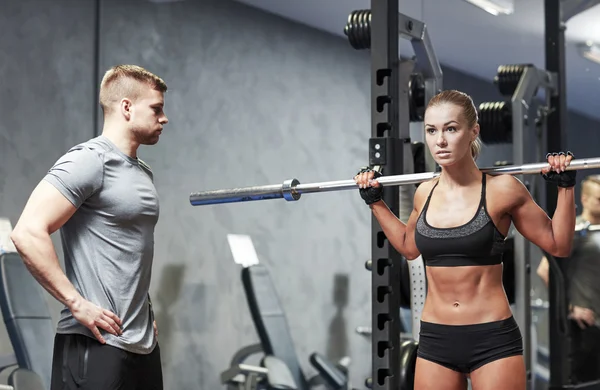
{"x": 291, "y": 189}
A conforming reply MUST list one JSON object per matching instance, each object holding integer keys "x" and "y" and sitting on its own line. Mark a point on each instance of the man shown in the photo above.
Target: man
{"x": 102, "y": 198}
{"x": 583, "y": 283}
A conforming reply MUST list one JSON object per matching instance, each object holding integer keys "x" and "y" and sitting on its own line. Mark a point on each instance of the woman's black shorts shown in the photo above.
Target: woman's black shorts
{"x": 465, "y": 348}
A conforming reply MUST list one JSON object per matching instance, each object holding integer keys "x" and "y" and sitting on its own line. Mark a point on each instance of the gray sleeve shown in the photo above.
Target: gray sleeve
{"x": 78, "y": 174}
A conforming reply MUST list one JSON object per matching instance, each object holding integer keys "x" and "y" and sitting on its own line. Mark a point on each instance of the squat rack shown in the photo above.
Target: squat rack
{"x": 379, "y": 30}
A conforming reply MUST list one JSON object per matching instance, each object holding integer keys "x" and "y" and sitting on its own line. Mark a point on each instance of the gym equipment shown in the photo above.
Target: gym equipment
{"x": 271, "y": 375}
{"x": 416, "y": 97}
{"x": 579, "y": 272}
{"x": 507, "y": 121}
{"x": 520, "y": 83}
{"x": 291, "y": 190}
{"x": 284, "y": 370}
{"x": 392, "y": 108}
{"x": 24, "y": 379}
{"x": 508, "y": 269}
{"x": 517, "y": 121}
{"x": 29, "y": 325}
{"x": 408, "y": 358}
{"x": 379, "y": 30}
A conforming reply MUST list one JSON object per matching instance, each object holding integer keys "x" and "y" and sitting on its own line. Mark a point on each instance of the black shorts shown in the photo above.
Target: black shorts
{"x": 82, "y": 363}
{"x": 465, "y": 348}
{"x": 585, "y": 360}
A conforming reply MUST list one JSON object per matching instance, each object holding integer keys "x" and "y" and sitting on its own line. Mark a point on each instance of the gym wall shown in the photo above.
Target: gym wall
{"x": 253, "y": 99}
{"x": 47, "y": 103}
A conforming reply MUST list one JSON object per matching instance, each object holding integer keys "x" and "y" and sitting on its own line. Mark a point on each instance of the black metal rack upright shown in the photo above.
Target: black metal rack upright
{"x": 380, "y": 29}
{"x": 386, "y": 150}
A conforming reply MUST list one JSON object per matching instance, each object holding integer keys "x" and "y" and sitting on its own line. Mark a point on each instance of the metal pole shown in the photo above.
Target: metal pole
{"x": 555, "y": 63}
{"x": 291, "y": 191}
{"x": 531, "y": 80}
{"x": 559, "y": 341}
{"x": 387, "y": 150}
{"x": 522, "y": 310}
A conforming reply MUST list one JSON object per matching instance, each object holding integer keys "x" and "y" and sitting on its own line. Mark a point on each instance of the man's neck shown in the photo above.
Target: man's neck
{"x": 123, "y": 143}
{"x": 590, "y": 218}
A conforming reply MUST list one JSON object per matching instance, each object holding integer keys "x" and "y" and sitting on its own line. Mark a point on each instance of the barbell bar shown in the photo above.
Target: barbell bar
{"x": 291, "y": 190}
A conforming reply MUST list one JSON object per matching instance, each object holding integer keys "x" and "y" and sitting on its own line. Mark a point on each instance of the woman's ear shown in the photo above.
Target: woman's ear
{"x": 476, "y": 130}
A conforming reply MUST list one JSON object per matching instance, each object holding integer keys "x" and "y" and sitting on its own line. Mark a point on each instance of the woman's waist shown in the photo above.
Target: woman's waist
{"x": 466, "y": 309}
{"x": 461, "y": 259}
{"x": 465, "y": 282}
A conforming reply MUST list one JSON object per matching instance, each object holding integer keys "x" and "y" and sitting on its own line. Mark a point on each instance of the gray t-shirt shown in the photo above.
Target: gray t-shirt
{"x": 583, "y": 267}
{"x": 108, "y": 243}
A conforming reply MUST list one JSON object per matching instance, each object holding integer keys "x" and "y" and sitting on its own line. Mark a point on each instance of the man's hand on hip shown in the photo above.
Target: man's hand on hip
{"x": 93, "y": 317}
{"x": 584, "y": 317}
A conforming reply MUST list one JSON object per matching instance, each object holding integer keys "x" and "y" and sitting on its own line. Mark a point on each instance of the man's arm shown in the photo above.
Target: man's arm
{"x": 543, "y": 270}
{"x": 74, "y": 178}
{"x": 45, "y": 212}
{"x": 583, "y": 316}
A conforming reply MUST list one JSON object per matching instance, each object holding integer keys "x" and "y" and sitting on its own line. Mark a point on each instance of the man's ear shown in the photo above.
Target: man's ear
{"x": 126, "y": 108}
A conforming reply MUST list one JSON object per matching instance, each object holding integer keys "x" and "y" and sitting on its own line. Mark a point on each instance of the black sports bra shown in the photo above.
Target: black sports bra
{"x": 478, "y": 242}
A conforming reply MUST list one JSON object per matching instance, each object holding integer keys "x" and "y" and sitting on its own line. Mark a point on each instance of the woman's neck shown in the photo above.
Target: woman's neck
{"x": 460, "y": 174}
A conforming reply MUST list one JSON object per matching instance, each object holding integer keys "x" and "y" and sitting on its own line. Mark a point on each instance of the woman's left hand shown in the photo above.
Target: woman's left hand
{"x": 556, "y": 171}
{"x": 558, "y": 162}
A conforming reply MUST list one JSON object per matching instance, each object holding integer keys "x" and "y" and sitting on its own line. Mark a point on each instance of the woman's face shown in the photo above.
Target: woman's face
{"x": 447, "y": 134}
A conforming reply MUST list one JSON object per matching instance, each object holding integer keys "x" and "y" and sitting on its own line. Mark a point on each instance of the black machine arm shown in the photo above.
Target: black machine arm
{"x": 334, "y": 378}
{"x": 273, "y": 374}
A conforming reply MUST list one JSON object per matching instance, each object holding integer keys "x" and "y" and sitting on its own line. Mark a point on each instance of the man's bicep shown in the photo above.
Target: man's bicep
{"x": 46, "y": 209}
{"x": 77, "y": 175}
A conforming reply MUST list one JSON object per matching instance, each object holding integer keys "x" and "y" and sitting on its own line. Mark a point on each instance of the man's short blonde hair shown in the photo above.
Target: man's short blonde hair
{"x": 126, "y": 81}
{"x": 588, "y": 182}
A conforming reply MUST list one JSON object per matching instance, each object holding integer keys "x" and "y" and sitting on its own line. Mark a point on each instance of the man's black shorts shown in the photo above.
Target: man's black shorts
{"x": 82, "y": 363}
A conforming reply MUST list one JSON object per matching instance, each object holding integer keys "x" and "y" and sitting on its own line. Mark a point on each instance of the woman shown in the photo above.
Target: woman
{"x": 458, "y": 225}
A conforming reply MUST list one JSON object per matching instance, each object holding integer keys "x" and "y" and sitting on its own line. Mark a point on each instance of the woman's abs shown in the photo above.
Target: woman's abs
{"x": 465, "y": 295}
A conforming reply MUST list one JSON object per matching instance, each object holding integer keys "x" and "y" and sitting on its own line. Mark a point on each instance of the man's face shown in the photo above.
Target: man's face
{"x": 148, "y": 117}
{"x": 590, "y": 198}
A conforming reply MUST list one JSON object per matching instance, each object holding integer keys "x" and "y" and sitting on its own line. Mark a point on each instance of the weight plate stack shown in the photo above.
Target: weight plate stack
{"x": 416, "y": 97}
{"x": 508, "y": 77}
{"x": 358, "y": 29}
{"x": 495, "y": 122}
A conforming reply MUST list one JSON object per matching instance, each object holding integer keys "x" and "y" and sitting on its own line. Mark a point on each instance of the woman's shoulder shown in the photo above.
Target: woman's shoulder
{"x": 424, "y": 189}
{"x": 506, "y": 186}
{"x": 504, "y": 181}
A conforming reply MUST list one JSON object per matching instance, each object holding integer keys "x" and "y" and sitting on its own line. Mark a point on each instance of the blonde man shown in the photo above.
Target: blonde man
{"x": 583, "y": 283}
{"x": 102, "y": 198}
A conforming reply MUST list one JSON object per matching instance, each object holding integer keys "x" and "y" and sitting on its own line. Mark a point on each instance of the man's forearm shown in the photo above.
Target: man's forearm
{"x": 544, "y": 277}
{"x": 39, "y": 255}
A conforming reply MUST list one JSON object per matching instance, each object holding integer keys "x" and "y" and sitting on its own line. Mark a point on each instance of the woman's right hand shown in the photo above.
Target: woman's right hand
{"x": 369, "y": 188}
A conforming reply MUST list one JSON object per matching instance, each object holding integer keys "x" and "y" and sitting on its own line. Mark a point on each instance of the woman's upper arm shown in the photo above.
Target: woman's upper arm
{"x": 527, "y": 216}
